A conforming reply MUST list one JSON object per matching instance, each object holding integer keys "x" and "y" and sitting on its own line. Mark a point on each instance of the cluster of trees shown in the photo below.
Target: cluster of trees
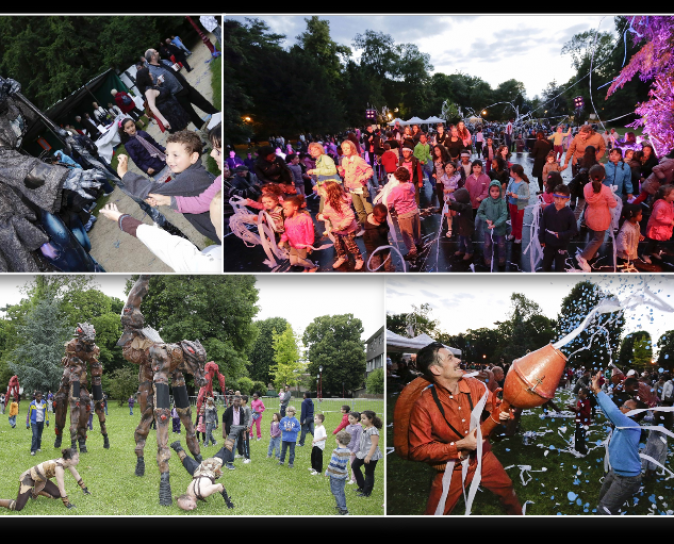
{"x": 331, "y": 341}
{"x": 527, "y": 329}
{"x": 52, "y": 56}
{"x": 317, "y": 86}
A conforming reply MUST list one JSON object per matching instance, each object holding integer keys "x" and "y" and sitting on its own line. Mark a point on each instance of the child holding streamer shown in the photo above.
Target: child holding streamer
{"x": 338, "y": 211}
{"x": 298, "y": 232}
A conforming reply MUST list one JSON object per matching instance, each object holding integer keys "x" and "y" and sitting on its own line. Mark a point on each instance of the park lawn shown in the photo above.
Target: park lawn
{"x": 408, "y": 483}
{"x": 259, "y": 488}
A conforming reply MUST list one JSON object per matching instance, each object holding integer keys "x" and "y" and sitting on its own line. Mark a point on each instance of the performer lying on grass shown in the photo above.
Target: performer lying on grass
{"x": 204, "y": 475}
{"x": 37, "y": 481}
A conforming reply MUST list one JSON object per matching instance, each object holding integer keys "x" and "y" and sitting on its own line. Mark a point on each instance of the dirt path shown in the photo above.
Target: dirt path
{"x": 117, "y": 251}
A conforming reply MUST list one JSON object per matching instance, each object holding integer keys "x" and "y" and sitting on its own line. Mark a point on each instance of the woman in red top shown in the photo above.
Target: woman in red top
{"x": 599, "y": 200}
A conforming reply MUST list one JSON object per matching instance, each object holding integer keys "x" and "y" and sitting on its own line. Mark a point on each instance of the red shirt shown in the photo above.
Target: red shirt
{"x": 390, "y": 161}
{"x": 583, "y": 412}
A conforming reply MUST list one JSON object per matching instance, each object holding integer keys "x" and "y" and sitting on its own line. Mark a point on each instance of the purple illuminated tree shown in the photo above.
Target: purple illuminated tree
{"x": 654, "y": 61}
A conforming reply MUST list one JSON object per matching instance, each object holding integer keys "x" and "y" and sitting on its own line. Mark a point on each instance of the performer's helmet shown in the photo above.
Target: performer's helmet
{"x": 193, "y": 351}
{"x": 132, "y": 318}
{"x": 86, "y": 332}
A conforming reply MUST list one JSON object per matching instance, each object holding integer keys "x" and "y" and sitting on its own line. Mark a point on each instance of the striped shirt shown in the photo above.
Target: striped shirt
{"x": 337, "y": 465}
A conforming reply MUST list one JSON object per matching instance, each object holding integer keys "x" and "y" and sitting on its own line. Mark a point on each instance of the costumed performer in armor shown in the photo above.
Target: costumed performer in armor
{"x": 37, "y": 481}
{"x": 74, "y": 392}
{"x": 31, "y": 192}
{"x": 439, "y": 431}
{"x": 205, "y": 473}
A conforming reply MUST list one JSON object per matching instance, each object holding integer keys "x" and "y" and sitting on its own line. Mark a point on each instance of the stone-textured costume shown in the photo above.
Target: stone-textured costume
{"x": 158, "y": 361}
{"x": 28, "y": 185}
{"x": 74, "y": 391}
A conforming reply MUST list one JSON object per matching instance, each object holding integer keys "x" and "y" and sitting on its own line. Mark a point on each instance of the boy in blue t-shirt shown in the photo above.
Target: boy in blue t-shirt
{"x": 289, "y": 426}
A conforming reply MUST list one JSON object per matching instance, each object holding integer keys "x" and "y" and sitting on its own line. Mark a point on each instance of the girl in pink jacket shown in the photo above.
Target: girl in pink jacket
{"x": 599, "y": 200}
{"x": 299, "y": 232}
{"x": 661, "y": 222}
{"x": 338, "y": 211}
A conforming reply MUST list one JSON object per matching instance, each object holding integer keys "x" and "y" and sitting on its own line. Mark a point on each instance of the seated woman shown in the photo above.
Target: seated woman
{"x": 37, "y": 481}
{"x": 144, "y": 151}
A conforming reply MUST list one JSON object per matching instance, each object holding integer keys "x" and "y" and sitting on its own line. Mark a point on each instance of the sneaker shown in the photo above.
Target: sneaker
{"x": 230, "y": 466}
{"x": 32, "y": 453}
{"x": 90, "y": 223}
{"x": 280, "y": 463}
{"x": 237, "y": 456}
{"x": 246, "y": 461}
{"x": 290, "y": 465}
{"x": 258, "y": 438}
{"x": 449, "y": 234}
{"x": 300, "y": 445}
{"x": 39, "y": 450}
{"x": 343, "y": 512}
{"x": 583, "y": 264}
{"x": 313, "y": 473}
{"x": 363, "y": 494}
{"x": 351, "y": 482}
{"x": 339, "y": 262}
{"x": 268, "y": 456}
{"x": 359, "y": 265}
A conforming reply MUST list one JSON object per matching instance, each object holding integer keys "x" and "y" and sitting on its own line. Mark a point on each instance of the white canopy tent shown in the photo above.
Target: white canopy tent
{"x": 397, "y": 120}
{"x": 433, "y": 120}
{"x": 396, "y": 343}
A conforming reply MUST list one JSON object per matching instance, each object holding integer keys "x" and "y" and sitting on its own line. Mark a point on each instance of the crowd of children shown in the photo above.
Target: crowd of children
{"x": 393, "y": 167}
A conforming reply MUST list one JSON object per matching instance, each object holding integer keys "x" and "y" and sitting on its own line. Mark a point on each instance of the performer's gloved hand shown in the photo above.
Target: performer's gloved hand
{"x": 228, "y": 502}
{"x": 8, "y": 87}
{"x": 86, "y": 491}
{"x": 67, "y": 503}
{"x": 76, "y": 182}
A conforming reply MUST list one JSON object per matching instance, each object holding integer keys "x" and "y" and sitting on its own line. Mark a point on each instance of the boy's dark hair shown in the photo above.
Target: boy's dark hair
{"x": 476, "y": 162}
{"x": 583, "y": 390}
{"x": 189, "y": 139}
{"x": 290, "y": 157}
{"x": 380, "y": 207}
{"x": 346, "y": 408}
{"x": 244, "y": 398}
{"x": 562, "y": 189}
{"x": 321, "y": 417}
{"x": 402, "y": 174}
{"x": 630, "y": 382}
{"x": 343, "y": 437}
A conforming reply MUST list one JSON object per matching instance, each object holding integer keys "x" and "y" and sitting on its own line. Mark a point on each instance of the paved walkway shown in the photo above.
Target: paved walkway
{"x": 117, "y": 251}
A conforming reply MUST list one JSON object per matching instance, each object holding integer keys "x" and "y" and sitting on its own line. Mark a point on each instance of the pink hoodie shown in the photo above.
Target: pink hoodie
{"x": 660, "y": 224}
{"x": 597, "y": 213}
{"x": 200, "y": 203}
{"x": 299, "y": 230}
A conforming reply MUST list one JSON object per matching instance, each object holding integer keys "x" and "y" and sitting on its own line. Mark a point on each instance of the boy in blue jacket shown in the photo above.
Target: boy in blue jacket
{"x": 289, "y": 428}
{"x": 38, "y": 415}
{"x": 624, "y": 477}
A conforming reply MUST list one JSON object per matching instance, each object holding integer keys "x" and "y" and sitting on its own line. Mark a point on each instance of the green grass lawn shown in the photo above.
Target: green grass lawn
{"x": 408, "y": 483}
{"x": 259, "y": 488}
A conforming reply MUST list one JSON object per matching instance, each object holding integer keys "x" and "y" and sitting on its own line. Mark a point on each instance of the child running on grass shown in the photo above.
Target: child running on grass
{"x": 318, "y": 443}
{"x": 274, "y": 436}
{"x": 337, "y": 471}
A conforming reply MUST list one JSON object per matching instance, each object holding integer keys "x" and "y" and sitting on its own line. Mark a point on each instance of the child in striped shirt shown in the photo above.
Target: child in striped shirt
{"x": 337, "y": 470}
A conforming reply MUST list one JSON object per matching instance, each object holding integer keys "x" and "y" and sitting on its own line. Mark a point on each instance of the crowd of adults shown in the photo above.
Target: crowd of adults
{"x": 460, "y": 164}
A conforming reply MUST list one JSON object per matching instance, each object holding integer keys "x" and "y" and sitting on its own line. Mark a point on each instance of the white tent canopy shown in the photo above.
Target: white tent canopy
{"x": 401, "y": 344}
{"x": 414, "y": 121}
{"x": 433, "y": 119}
{"x": 397, "y": 120}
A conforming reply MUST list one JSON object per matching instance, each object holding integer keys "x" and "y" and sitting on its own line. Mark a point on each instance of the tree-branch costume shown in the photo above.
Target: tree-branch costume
{"x": 29, "y": 188}
{"x": 212, "y": 370}
{"x": 158, "y": 361}
{"x": 80, "y": 351}
{"x": 12, "y": 389}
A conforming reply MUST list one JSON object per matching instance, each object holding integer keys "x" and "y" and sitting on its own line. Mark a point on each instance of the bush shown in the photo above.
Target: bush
{"x": 375, "y": 382}
{"x": 245, "y": 385}
{"x": 123, "y": 384}
{"x": 260, "y": 388}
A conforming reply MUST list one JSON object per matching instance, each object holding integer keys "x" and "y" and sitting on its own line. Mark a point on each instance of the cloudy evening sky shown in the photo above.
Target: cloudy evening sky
{"x": 495, "y": 48}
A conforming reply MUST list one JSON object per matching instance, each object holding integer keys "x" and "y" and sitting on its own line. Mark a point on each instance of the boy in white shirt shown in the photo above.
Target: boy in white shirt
{"x": 318, "y": 443}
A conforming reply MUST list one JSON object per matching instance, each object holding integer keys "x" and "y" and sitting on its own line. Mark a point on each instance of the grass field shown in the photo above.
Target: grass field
{"x": 259, "y": 488}
{"x": 569, "y": 486}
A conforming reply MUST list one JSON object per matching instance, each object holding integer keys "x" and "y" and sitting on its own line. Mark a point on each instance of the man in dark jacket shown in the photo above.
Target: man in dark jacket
{"x": 243, "y": 186}
{"x": 306, "y": 418}
{"x": 557, "y": 227}
{"x": 234, "y": 422}
{"x": 462, "y": 204}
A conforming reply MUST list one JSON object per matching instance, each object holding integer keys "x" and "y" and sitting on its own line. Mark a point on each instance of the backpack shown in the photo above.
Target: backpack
{"x": 126, "y": 100}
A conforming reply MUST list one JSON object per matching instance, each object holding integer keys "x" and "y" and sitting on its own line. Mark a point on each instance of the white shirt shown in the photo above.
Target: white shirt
{"x": 180, "y": 254}
{"x": 319, "y": 432}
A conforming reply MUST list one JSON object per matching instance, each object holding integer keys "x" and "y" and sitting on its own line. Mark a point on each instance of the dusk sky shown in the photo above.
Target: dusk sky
{"x": 495, "y": 48}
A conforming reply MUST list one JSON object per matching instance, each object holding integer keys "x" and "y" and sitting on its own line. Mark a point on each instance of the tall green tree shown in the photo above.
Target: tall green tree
{"x": 316, "y": 42}
{"x": 628, "y": 346}
{"x": 37, "y": 357}
{"x": 288, "y": 367}
{"x": 666, "y": 350}
{"x": 334, "y": 342}
{"x": 261, "y": 355}
{"x": 601, "y": 339}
